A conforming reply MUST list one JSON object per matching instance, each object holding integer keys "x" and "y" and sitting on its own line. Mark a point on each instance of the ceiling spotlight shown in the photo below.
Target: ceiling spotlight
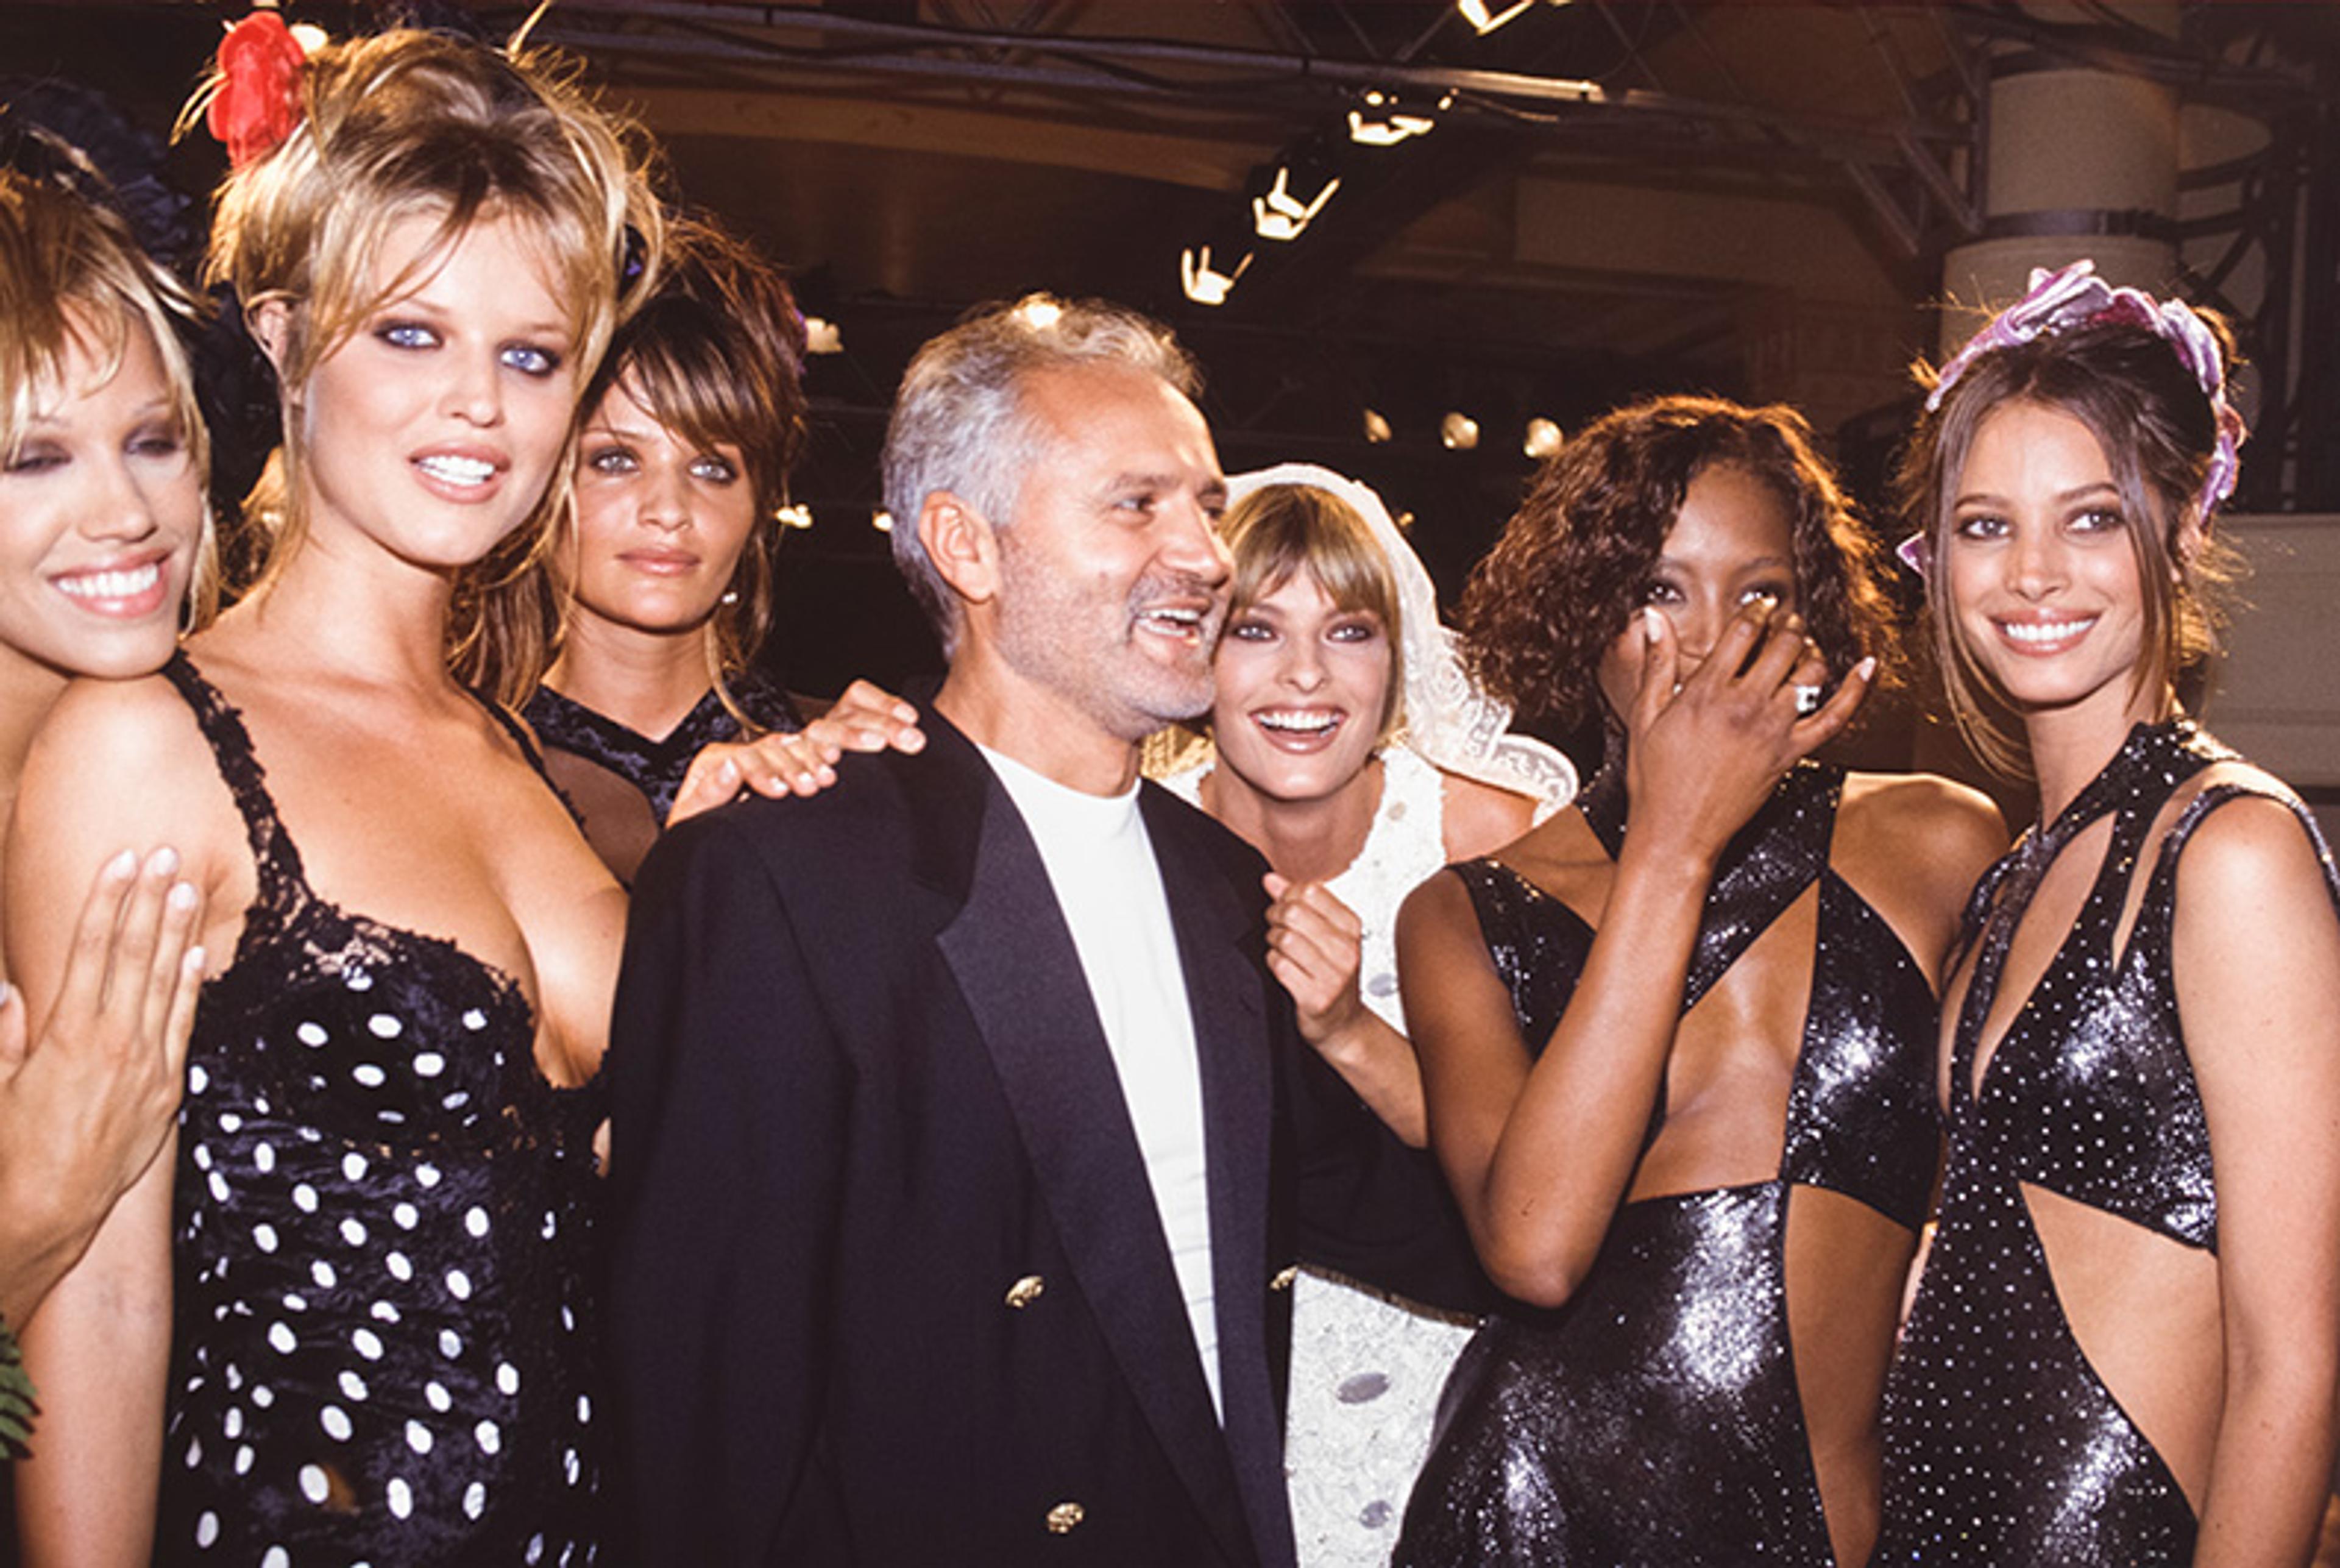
{"x": 309, "y": 36}
{"x": 1458, "y": 431}
{"x": 882, "y": 520}
{"x": 1543, "y": 438}
{"x": 821, "y": 336}
{"x": 1280, "y": 215}
{"x": 1377, "y": 429}
{"x": 1405, "y": 522}
{"x": 1040, "y": 313}
{"x": 797, "y": 516}
{"x": 1382, "y": 124}
{"x": 1204, "y": 285}
{"x": 1484, "y": 20}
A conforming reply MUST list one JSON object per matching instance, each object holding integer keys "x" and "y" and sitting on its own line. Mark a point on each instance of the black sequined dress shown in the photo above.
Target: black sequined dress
{"x": 1654, "y": 1421}
{"x": 2002, "y": 1447}
{"x": 383, "y": 1347}
{"x": 657, "y": 767}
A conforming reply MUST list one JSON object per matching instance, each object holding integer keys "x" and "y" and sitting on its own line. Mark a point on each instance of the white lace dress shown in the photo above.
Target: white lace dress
{"x": 1365, "y": 1373}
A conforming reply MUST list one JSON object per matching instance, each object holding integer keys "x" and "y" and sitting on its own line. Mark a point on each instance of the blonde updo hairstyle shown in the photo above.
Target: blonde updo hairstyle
{"x": 409, "y": 124}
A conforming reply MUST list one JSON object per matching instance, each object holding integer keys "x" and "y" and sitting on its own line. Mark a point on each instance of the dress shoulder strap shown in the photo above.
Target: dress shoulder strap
{"x": 273, "y": 854}
{"x": 518, "y": 730}
{"x": 2160, "y": 899}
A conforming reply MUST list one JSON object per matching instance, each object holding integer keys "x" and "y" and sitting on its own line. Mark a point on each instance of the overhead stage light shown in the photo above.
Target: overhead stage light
{"x": 1543, "y": 438}
{"x": 822, "y": 336}
{"x": 1040, "y": 313}
{"x": 1458, "y": 431}
{"x": 1485, "y": 20}
{"x": 882, "y": 520}
{"x": 1382, "y": 123}
{"x": 1280, "y": 215}
{"x": 1204, "y": 286}
{"x": 1377, "y": 429}
{"x": 797, "y": 516}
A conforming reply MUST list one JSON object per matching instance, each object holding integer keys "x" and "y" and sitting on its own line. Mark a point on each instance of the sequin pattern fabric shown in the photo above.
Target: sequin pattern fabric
{"x": 657, "y": 767}
{"x": 383, "y": 1241}
{"x": 2002, "y": 1445}
{"x": 1654, "y": 1421}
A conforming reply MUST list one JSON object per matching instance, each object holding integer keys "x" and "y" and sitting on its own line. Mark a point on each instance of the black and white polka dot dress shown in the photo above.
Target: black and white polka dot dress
{"x": 384, "y": 1347}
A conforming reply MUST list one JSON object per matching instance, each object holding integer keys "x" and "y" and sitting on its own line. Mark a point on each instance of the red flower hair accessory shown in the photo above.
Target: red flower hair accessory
{"x": 257, "y": 101}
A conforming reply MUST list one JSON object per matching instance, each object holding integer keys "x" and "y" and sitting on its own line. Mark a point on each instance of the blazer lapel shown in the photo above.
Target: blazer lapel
{"x": 1222, "y": 943}
{"x": 1014, "y": 959}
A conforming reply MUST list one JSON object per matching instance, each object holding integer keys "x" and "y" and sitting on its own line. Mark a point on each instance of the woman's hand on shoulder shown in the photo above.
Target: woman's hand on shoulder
{"x": 865, "y": 718}
{"x": 85, "y": 1105}
{"x": 1706, "y": 749}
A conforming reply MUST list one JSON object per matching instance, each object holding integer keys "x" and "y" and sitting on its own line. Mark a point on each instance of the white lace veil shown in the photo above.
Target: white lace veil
{"x": 1449, "y": 721}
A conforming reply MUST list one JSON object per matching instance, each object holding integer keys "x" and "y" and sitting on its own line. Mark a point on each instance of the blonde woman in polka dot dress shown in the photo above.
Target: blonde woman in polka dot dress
{"x": 347, "y": 1317}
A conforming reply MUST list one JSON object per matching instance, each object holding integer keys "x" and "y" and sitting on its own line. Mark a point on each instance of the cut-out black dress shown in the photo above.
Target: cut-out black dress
{"x": 657, "y": 767}
{"x": 384, "y": 1335}
{"x": 1654, "y": 1421}
{"x": 2002, "y": 1447}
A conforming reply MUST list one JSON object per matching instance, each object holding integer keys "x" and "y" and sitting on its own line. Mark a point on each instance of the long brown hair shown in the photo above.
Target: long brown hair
{"x": 715, "y": 354}
{"x": 2157, "y": 429}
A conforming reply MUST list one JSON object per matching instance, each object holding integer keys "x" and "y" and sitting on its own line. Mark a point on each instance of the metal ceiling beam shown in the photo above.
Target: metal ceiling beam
{"x": 878, "y": 45}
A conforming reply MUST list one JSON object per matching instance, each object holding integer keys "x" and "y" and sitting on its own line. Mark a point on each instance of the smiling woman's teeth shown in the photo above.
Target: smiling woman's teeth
{"x": 2045, "y": 631}
{"x": 127, "y": 584}
{"x": 1311, "y": 723}
{"x": 457, "y": 470}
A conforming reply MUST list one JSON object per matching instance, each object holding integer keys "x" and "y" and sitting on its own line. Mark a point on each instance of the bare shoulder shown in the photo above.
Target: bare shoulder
{"x": 2250, "y": 849}
{"x": 1437, "y": 909}
{"x": 1478, "y": 819}
{"x": 1914, "y": 844}
{"x": 118, "y": 765}
{"x": 1921, "y": 823}
{"x": 129, "y": 748}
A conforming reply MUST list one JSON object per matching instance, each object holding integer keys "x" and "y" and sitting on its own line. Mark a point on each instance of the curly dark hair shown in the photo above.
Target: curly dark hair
{"x": 1575, "y": 560}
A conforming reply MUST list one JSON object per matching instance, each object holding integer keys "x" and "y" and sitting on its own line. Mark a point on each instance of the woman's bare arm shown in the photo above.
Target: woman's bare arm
{"x": 1540, "y": 1157}
{"x": 2256, "y": 956}
{"x": 118, "y": 763}
{"x": 84, "y": 1108}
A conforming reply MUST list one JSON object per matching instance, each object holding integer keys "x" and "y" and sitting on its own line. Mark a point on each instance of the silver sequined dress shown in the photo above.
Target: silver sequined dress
{"x": 1653, "y": 1421}
{"x": 2002, "y": 1447}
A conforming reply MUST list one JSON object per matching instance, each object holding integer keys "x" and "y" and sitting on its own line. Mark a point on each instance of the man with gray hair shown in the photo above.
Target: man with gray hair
{"x": 952, "y": 1203}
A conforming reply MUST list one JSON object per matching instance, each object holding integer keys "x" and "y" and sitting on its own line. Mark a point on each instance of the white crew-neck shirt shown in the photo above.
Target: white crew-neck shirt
{"x": 1100, "y": 862}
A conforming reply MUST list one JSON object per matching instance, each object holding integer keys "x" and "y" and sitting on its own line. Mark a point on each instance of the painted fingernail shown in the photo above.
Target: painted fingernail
{"x": 1650, "y": 623}
{"x": 123, "y": 865}
{"x": 1866, "y": 668}
{"x": 163, "y": 861}
{"x": 195, "y": 958}
{"x": 183, "y": 897}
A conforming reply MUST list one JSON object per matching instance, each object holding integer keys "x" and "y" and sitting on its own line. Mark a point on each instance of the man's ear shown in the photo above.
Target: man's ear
{"x": 959, "y": 540}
